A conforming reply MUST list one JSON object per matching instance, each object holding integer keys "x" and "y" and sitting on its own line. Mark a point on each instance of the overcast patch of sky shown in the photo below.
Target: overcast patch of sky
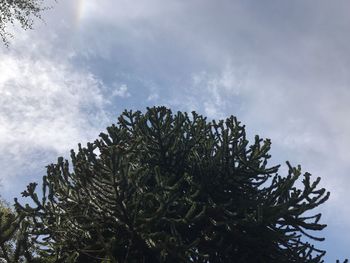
{"x": 281, "y": 67}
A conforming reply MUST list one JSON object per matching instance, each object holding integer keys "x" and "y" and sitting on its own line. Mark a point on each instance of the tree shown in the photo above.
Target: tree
{"x": 15, "y": 245}
{"x": 22, "y": 11}
{"x": 163, "y": 187}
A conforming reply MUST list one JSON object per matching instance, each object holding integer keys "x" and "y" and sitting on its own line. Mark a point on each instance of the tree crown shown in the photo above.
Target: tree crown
{"x": 164, "y": 187}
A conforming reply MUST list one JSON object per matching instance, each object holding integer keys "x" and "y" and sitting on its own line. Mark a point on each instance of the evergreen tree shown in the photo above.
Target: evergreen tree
{"x": 15, "y": 245}
{"x": 163, "y": 187}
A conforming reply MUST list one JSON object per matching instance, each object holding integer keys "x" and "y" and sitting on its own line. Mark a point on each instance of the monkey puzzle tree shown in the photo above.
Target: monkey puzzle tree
{"x": 22, "y": 11}
{"x": 15, "y": 245}
{"x": 163, "y": 187}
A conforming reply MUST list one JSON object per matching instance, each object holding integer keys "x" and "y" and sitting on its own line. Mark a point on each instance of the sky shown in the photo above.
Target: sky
{"x": 281, "y": 67}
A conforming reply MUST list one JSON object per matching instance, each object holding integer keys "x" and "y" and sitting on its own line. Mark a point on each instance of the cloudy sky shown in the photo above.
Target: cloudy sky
{"x": 281, "y": 67}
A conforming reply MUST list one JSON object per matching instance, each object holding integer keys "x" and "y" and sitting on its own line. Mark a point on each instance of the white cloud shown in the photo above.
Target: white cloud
{"x": 214, "y": 90}
{"x": 44, "y": 107}
{"x": 44, "y": 104}
{"x": 153, "y": 97}
{"x": 121, "y": 91}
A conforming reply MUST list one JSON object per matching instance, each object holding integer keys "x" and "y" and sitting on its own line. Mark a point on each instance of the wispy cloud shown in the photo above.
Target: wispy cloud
{"x": 44, "y": 107}
{"x": 218, "y": 89}
{"x": 121, "y": 91}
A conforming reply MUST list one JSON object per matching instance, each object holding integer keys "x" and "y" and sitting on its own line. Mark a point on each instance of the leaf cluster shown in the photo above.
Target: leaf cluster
{"x": 22, "y": 11}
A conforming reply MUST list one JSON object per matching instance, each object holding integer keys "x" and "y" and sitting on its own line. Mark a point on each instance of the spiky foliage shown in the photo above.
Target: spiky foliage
{"x": 163, "y": 187}
{"x": 15, "y": 245}
{"x": 22, "y": 11}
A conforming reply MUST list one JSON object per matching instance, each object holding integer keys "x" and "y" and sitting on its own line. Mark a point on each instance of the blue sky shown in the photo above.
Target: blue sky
{"x": 281, "y": 67}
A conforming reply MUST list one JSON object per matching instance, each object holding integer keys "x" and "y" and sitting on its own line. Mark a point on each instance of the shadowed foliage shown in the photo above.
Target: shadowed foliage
{"x": 164, "y": 187}
{"x": 15, "y": 245}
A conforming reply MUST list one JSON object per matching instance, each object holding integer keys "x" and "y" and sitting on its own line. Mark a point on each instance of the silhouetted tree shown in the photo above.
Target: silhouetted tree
{"x": 163, "y": 187}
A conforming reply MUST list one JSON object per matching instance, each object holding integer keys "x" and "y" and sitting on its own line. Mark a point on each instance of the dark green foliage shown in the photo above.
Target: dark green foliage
{"x": 21, "y": 11}
{"x": 15, "y": 245}
{"x": 160, "y": 187}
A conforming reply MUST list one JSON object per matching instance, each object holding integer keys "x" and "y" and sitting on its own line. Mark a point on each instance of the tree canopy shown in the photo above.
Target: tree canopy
{"x": 18, "y": 11}
{"x": 164, "y": 187}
